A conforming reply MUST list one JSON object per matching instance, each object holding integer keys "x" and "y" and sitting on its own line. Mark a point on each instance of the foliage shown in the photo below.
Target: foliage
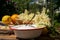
{"x": 54, "y": 4}
{"x": 30, "y": 5}
{"x": 7, "y": 7}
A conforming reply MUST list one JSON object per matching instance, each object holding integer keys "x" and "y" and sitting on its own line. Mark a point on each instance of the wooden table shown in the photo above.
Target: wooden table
{"x": 13, "y": 37}
{"x": 8, "y": 37}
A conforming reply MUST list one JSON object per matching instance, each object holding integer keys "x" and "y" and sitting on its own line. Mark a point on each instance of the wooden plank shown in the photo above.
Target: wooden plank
{"x": 7, "y": 37}
{"x": 13, "y": 37}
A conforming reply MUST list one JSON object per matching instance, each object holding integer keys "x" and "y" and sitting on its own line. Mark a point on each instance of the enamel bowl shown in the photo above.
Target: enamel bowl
{"x": 26, "y": 31}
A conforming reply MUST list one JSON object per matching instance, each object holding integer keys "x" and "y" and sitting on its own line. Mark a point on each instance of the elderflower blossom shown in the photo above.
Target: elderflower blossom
{"x": 42, "y": 19}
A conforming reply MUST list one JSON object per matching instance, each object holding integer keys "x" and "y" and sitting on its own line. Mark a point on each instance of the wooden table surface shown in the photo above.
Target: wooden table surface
{"x": 13, "y": 37}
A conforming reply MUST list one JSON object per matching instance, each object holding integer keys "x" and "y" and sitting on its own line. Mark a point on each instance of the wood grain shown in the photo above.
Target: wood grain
{"x": 13, "y": 37}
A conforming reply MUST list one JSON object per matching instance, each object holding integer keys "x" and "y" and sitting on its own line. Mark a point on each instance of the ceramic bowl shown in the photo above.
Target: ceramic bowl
{"x": 26, "y": 33}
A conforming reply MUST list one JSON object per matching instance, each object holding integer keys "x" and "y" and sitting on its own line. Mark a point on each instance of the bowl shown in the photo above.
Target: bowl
{"x": 26, "y": 31}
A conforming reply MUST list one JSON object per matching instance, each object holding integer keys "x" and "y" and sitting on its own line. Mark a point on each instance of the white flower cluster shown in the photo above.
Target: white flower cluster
{"x": 40, "y": 19}
{"x": 25, "y": 17}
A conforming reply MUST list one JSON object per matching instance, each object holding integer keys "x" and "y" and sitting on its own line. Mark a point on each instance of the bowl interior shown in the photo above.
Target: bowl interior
{"x": 25, "y": 27}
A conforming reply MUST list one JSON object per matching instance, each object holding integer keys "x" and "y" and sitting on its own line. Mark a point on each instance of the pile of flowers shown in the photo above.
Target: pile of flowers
{"x": 40, "y": 19}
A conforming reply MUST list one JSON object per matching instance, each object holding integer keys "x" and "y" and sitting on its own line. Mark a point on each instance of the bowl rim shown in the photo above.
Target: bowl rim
{"x": 26, "y": 29}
